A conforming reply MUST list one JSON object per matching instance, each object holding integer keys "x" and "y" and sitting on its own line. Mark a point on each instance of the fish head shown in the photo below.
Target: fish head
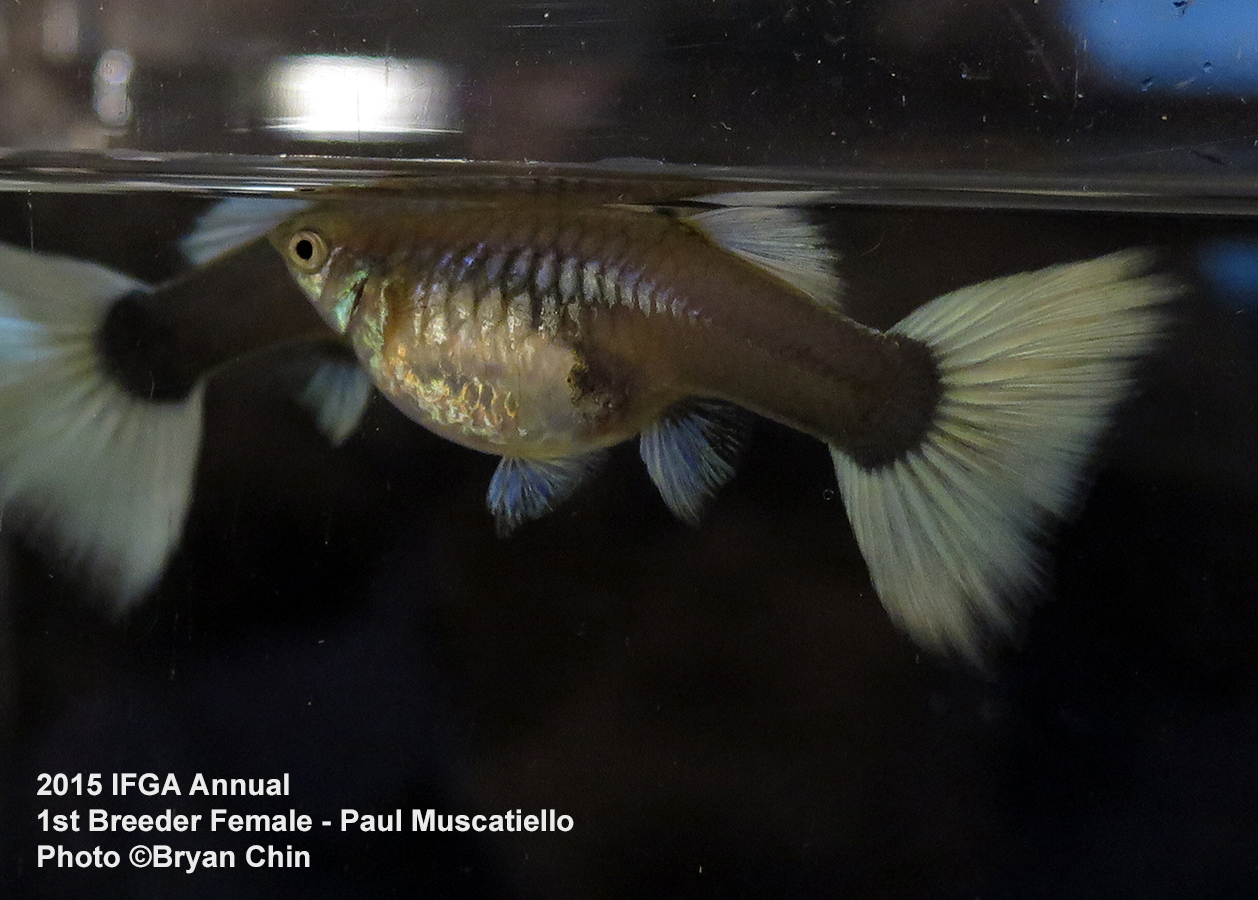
{"x": 314, "y": 246}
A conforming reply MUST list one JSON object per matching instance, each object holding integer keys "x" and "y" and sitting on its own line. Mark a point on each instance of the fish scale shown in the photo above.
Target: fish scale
{"x": 558, "y": 286}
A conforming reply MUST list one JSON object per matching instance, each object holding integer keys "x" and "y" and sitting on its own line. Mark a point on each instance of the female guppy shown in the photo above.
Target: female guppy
{"x": 545, "y": 331}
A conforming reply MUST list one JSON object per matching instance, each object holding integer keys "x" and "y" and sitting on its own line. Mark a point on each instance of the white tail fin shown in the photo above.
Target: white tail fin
{"x": 1032, "y": 367}
{"x": 105, "y": 475}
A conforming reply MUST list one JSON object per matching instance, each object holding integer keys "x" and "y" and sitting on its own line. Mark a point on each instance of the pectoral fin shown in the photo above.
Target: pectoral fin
{"x": 526, "y": 489}
{"x": 337, "y": 394}
{"x": 692, "y": 451}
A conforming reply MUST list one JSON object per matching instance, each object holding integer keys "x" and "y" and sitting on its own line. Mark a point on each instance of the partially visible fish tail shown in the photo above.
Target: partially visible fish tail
{"x": 1031, "y": 368}
{"x": 106, "y": 475}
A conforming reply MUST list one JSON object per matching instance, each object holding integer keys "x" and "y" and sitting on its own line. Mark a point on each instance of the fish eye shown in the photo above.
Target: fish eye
{"x": 308, "y": 251}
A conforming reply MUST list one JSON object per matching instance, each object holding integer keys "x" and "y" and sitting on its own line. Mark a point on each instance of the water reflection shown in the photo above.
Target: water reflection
{"x": 904, "y": 84}
{"x": 61, "y": 30}
{"x": 347, "y": 98}
{"x": 111, "y": 88}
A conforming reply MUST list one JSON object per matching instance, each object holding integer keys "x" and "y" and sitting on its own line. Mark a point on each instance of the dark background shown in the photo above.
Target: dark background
{"x": 723, "y": 711}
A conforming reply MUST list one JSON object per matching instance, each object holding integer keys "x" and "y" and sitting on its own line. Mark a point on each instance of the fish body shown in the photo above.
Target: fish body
{"x": 541, "y": 331}
{"x": 547, "y": 331}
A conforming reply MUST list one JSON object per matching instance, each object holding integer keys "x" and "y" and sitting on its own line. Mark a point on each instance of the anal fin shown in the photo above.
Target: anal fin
{"x": 527, "y": 489}
{"x": 692, "y": 451}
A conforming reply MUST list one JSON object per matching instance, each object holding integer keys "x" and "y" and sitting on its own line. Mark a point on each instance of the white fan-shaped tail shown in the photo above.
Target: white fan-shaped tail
{"x": 1032, "y": 367}
{"x": 107, "y": 476}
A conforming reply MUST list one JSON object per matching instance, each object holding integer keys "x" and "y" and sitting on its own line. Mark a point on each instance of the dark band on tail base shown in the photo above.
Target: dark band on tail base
{"x": 901, "y": 424}
{"x": 136, "y": 349}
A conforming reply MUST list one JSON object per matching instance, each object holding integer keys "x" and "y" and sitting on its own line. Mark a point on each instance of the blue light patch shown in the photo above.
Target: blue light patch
{"x": 1231, "y": 268}
{"x": 1194, "y": 47}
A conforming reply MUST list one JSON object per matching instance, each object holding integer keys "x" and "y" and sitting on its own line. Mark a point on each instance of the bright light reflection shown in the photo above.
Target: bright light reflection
{"x": 346, "y": 98}
{"x": 111, "y": 88}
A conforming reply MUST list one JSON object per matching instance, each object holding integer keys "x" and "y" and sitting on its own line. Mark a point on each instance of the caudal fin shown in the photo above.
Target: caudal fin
{"x": 105, "y": 475}
{"x": 1032, "y": 367}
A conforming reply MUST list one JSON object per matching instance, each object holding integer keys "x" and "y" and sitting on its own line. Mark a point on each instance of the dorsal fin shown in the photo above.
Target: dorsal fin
{"x": 526, "y": 489}
{"x": 779, "y": 240}
{"x": 778, "y": 197}
{"x": 692, "y": 451}
{"x": 234, "y": 222}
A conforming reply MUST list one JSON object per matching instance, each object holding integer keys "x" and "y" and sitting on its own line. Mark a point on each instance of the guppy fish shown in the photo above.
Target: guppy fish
{"x": 545, "y": 331}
